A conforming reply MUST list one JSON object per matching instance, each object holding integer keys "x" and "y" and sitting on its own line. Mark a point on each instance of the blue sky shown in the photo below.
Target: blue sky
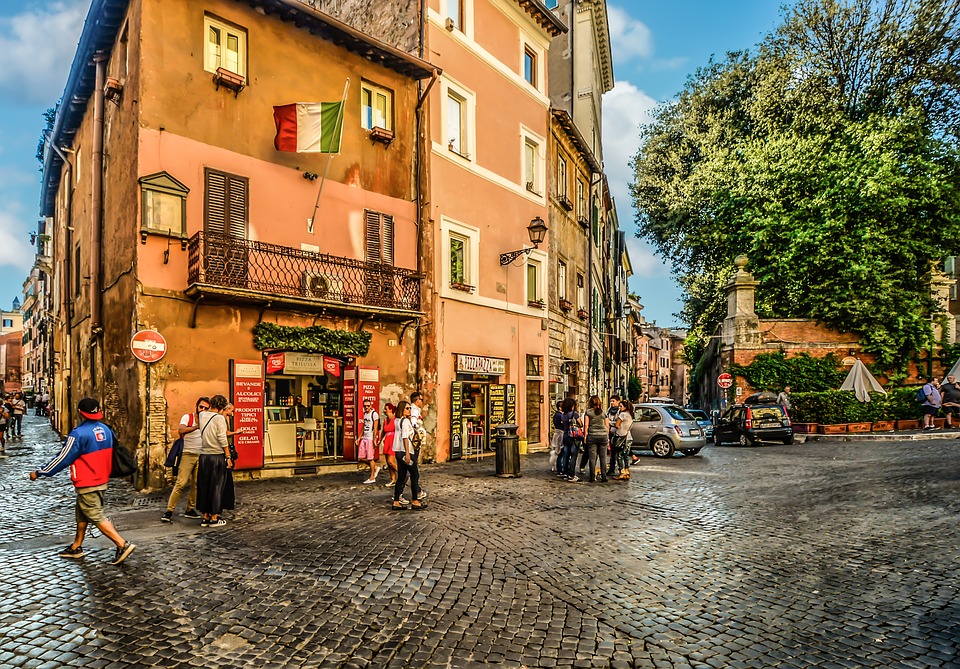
{"x": 655, "y": 46}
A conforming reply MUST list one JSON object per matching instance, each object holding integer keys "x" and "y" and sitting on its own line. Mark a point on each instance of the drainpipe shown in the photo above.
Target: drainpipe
{"x": 64, "y": 404}
{"x": 96, "y": 201}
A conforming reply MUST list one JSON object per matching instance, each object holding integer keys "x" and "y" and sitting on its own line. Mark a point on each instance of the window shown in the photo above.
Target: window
{"x": 7, "y": 322}
{"x": 455, "y": 13}
{"x": 561, "y": 177}
{"x": 376, "y": 107}
{"x": 76, "y": 270}
{"x": 551, "y": 4}
{"x": 226, "y": 47}
{"x": 458, "y": 260}
{"x": 581, "y": 199}
{"x": 456, "y": 123}
{"x": 531, "y": 171}
{"x": 379, "y": 237}
{"x": 164, "y": 205}
{"x": 581, "y": 295}
{"x": 533, "y": 282}
{"x": 225, "y": 204}
{"x": 561, "y": 280}
{"x": 530, "y": 66}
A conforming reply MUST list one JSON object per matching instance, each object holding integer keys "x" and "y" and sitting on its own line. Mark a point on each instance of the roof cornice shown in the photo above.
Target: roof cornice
{"x": 545, "y": 18}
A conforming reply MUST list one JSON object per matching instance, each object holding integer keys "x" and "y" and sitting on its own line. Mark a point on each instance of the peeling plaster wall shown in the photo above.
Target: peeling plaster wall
{"x": 395, "y": 22}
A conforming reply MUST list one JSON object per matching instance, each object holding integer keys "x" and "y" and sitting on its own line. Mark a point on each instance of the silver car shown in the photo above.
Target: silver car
{"x": 665, "y": 429}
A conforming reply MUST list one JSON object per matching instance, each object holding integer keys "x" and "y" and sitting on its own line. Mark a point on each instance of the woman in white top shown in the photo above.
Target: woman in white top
{"x": 212, "y": 467}
{"x": 406, "y": 459}
{"x": 622, "y": 437}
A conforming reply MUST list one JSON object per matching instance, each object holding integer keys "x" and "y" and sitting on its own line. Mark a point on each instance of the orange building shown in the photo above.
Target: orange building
{"x": 269, "y": 274}
{"x": 487, "y": 339}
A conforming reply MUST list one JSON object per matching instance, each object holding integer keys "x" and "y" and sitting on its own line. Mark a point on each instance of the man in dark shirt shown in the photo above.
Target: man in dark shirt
{"x": 951, "y": 399}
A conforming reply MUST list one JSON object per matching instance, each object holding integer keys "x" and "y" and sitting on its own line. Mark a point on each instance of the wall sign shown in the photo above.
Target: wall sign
{"x": 478, "y": 364}
{"x": 246, "y": 382}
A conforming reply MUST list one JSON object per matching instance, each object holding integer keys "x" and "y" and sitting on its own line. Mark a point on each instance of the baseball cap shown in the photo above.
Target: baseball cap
{"x": 90, "y": 408}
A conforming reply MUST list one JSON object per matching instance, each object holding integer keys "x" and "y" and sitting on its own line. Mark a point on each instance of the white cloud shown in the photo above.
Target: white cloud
{"x": 625, "y": 109}
{"x": 645, "y": 264}
{"x": 629, "y": 37}
{"x": 15, "y": 250}
{"x": 38, "y": 46}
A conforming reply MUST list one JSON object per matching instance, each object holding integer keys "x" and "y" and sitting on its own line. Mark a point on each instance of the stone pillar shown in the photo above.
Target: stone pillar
{"x": 741, "y": 328}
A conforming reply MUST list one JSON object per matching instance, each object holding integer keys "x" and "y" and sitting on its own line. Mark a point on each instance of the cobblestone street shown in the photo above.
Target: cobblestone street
{"x": 826, "y": 554}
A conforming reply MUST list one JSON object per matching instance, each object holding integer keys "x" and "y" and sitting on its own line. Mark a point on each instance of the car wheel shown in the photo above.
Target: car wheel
{"x": 788, "y": 441}
{"x": 746, "y": 441}
{"x": 662, "y": 447}
{"x": 691, "y": 451}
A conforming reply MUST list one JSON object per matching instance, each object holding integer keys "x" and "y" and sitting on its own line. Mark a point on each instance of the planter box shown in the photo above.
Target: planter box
{"x": 940, "y": 422}
{"x": 858, "y": 427}
{"x": 883, "y": 426}
{"x": 838, "y": 428}
{"x": 805, "y": 428}
{"x": 912, "y": 424}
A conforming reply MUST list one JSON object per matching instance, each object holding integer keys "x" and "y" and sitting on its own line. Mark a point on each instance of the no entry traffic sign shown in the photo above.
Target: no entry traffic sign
{"x": 725, "y": 380}
{"x": 148, "y": 345}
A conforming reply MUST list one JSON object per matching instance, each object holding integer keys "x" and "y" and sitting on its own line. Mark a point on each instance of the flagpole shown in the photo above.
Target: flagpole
{"x": 343, "y": 104}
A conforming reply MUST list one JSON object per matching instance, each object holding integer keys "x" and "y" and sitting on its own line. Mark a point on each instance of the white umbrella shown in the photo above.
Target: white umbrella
{"x": 953, "y": 370}
{"x": 861, "y": 382}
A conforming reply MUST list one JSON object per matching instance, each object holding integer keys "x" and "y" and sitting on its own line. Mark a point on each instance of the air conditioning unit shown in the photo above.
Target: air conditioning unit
{"x": 323, "y": 286}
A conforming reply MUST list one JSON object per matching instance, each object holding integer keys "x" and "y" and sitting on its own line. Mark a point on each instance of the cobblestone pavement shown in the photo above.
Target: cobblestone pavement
{"x": 817, "y": 555}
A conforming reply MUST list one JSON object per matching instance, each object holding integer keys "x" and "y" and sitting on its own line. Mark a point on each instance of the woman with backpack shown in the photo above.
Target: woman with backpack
{"x": 597, "y": 428}
{"x": 572, "y": 438}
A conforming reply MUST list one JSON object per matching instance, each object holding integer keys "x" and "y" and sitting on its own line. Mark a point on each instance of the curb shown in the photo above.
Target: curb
{"x": 883, "y": 436}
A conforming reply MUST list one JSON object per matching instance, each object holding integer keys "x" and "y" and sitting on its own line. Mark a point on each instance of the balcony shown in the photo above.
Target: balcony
{"x": 222, "y": 265}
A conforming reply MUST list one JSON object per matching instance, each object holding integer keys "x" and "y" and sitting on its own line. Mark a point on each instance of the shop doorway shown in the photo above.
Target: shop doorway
{"x": 477, "y": 407}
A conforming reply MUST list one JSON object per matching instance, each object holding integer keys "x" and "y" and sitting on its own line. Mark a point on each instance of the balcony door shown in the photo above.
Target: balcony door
{"x": 379, "y": 277}
{"x": 226, "y": 212}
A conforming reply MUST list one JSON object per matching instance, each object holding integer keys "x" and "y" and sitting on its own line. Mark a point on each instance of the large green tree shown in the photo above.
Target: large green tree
{"x": 829, "y": 156}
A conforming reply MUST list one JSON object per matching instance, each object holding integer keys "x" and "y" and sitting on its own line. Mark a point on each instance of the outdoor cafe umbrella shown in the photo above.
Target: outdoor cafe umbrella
{"x": 861, "y": 382}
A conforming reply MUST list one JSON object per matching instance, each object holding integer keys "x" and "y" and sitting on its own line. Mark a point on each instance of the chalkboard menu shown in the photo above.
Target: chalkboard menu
{"x": 456, "y": 420}
{"x": 511, "y": 416}
{"x": 503, "y": 406}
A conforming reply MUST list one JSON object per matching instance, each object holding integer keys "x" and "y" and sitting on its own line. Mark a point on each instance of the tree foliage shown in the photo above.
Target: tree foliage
{"x": 829, "y": 156}
{"x": 49, "y": 117}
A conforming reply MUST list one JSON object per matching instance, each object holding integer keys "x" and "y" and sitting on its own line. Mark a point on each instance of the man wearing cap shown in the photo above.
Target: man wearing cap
{"x": 88, "y": 451}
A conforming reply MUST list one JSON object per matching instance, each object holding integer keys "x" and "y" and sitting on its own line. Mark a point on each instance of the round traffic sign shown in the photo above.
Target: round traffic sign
{"x": 725, "y": 380}
{"x": 148, "y": 345}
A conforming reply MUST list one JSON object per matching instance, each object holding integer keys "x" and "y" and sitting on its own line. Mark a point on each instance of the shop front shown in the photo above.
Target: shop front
{"x": 479, "y": 402}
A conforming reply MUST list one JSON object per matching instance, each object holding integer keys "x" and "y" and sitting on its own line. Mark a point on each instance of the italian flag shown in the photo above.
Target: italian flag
{"x": 309, "y": 127}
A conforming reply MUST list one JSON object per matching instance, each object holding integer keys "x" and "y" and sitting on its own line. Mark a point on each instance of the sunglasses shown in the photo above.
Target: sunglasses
{"x": 203, "y": 408}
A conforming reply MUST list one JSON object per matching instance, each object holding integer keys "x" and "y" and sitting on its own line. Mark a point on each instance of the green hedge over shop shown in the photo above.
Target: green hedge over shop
{"x": 830, "y": 407}
{"x": 315, "y": 339}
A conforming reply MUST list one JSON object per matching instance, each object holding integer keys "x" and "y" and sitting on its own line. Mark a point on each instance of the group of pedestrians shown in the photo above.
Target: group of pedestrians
{"x": 589, "y": 438}
{"x": 205, "y": 464}
{"x": 936, "y": 397}
{"x": 398, "y": 436}
{"x": 12, "y": 409}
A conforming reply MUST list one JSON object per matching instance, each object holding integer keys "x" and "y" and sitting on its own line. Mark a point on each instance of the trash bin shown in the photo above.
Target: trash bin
{"x": 507, "y": 444}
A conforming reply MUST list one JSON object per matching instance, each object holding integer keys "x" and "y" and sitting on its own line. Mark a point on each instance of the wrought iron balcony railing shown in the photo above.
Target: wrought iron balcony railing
{"x": 233, "y": 262}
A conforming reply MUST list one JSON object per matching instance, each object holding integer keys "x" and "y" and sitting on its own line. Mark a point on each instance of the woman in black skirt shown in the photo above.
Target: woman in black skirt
{"x": 214, "y": 464}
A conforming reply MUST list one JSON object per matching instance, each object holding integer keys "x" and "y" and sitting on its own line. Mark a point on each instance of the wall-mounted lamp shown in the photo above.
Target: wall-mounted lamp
{"x": 311, "y": 176}
{"x": 537, "y": 231}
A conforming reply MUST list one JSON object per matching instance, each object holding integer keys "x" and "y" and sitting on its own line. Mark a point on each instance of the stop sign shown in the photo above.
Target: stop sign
{"x": 725, "y": 380}
{"x": 148, "y": 345}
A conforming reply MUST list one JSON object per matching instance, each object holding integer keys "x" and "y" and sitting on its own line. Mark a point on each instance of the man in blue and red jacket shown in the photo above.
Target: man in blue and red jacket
{"x": 88, "y": 451}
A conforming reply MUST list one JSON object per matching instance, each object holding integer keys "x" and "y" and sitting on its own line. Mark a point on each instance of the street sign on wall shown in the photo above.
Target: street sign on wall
{"x": 148, "y": 346}
{"x": 725, "y": 380}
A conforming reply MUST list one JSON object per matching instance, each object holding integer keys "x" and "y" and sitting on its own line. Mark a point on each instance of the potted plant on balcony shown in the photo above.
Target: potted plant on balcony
{"x": 582, "y": 314}
{"x": 459, "y": 285}
{"x": 536, "y": 304}
{"x": 566, "y": 305}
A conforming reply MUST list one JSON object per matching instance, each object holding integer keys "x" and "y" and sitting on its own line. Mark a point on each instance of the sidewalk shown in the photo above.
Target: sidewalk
{"x": 906, "y": 435}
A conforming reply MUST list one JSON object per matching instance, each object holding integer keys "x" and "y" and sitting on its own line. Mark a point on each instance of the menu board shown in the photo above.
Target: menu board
{"x": 498, "y": 405}
{"x": 456, "y": 420}
{"x": 246, "y": 383}
{"x": 511, "y": 416}
{"x": 350, "y": 413}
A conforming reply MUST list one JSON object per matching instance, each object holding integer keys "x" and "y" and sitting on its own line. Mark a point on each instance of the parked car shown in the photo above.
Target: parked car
{"x": 665, "y": 429}
{"x": 704, "y": 421}
{"x": 749, "y": 424}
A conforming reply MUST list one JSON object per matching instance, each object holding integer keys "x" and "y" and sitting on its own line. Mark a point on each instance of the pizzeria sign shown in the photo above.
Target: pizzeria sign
{"x": 478, "y": 364}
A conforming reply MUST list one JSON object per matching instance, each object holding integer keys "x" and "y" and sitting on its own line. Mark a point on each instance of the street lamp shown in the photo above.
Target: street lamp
{"x": 537, "y": 231}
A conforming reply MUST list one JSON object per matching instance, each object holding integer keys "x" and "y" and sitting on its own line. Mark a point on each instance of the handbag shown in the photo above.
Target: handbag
{"x": 176, "y": 452}
{"x": 122, "y": 464}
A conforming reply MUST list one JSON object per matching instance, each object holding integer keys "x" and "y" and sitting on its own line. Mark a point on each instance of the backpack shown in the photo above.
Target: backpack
{"x": 574, "y": 428}
{"x": 921, "y": 396}
{"x": 123, "y": 464}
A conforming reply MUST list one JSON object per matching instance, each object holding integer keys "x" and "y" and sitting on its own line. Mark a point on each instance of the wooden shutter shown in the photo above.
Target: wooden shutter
{"x": 226, "y": 204}
{"x": 379, "y": 237}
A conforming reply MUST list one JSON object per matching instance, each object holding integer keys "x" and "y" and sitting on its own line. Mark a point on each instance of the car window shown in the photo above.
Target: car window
{"x": 678, "y": 414}
{"x": 775, "y": 412}
{"x": 698, "y": 414}
{"x": 646, "y": 415}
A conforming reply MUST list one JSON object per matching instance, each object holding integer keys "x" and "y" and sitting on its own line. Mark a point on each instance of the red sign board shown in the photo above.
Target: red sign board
{"x": 148, "y": 345}
{"x": 275, "y": 363}
{"x": 359, "y": 384}
{"x": 246, "y": 383}
{"x": 331, "y": 366}
{"x": 725, "y": 380}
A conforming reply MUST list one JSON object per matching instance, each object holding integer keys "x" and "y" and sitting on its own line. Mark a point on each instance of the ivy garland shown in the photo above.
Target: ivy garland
{"x": 803, "y": 372}
{"x": 315, "y": 339}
